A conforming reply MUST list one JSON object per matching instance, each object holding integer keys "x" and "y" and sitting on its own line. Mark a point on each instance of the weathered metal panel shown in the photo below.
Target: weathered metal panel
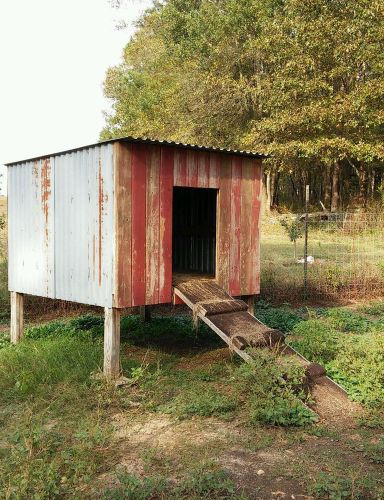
{"x": 84, "y": 226}
{"x": 30, "y": 227}
{"x": 123, "y": 224}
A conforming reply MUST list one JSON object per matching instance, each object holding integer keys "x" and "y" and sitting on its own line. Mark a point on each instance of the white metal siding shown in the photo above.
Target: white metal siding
{"x": 76, "y": 261}
{"x": 30, "y": 226}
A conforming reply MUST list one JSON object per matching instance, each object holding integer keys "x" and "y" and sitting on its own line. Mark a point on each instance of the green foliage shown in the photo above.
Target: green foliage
{"x": 348, "y": 321}
{"x": 274, "y": 391}
{"x": 315, "y": 340}
{"x": 351, "y": 347}
{"x": 206, "y": 403}
{"x": 166, "y": 331}
{"x": 375, "y": 308}
{"x": 280, "y": 318}
{"x": 199, "y": 484}
{"x": 31, "y": 367}
{"x": 4, "y": 340}
{"x": 358, "y": 366}
{"x": 40, "y": 462}
{"x": 294, "y": 229}
{"x": 375, "y": 451}
{"x": 301, "y": 81}
{"x": 338, "y": 487}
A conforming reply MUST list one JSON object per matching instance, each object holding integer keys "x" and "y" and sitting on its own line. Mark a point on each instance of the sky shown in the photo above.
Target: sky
{"x": 53, "y": 59}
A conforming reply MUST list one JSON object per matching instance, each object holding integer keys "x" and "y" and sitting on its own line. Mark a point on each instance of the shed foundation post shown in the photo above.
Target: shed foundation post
{"x": 111, "y": 342}
{"x": 145, "y": 314}
{"x": 250, "y": 300}
{"x": 17, "y": 317}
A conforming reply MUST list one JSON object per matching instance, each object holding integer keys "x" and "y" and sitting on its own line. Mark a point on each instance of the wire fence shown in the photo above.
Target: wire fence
{"x": 345, "y": 256}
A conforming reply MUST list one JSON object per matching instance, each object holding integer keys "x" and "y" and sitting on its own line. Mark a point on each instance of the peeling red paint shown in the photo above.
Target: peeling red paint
{"x": 101, "y": 214}
{"x": 45, "y": 194}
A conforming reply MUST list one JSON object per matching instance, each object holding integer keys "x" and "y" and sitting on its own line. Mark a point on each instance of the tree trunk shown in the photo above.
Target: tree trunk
{"x": 268, "y": 198}
{"x": 362, "y": 175}
{"x": 335, "y": 187}
{"x": 275, "y": 192}
{"x": 372, "y": 183}
{"x": 327, "y": 187}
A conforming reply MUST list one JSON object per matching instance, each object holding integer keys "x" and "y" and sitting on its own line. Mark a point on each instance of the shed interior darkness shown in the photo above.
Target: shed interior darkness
{"x": 194, "y": 230}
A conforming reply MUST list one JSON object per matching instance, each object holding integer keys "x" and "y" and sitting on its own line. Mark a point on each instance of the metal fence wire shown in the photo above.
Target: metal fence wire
{"x": 345, "y": 256}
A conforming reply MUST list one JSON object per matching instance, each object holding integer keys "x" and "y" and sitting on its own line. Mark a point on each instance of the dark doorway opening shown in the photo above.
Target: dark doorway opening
{"x": 194, "y": 231}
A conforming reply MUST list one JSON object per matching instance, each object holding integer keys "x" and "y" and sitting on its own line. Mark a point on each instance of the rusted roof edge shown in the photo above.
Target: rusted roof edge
{"x": 146, "y": 140}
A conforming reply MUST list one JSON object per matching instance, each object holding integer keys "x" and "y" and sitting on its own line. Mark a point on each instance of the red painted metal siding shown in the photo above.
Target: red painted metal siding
{"x": 144, "y": 179}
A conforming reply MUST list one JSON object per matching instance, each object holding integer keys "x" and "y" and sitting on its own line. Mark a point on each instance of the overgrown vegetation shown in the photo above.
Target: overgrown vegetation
{"x": 349, "y": 344}
{"x": 197, "y": 485}
{"x": 56, "y": 413}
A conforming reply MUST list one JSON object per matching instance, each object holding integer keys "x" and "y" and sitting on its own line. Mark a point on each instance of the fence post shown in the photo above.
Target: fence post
{"x": 306, "y": 243}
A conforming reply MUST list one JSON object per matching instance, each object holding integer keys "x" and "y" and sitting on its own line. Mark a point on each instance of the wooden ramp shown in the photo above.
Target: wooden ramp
{"x": 231, "y": 320}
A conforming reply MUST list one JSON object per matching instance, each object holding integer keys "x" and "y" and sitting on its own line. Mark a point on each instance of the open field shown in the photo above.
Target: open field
{"x": 192, "y": 421}
{"x": 348, "y": 260}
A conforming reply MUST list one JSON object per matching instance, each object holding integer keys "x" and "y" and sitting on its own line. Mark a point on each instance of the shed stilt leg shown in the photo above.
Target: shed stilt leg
{"x": 111, "y": 342}
{"x": 145, "y": 314}
{"x": 250, "y": 300}
{"x": 17, "y": 317}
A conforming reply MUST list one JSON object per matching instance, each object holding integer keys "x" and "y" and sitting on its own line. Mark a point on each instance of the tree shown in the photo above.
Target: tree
{"x": 300, "y": 80}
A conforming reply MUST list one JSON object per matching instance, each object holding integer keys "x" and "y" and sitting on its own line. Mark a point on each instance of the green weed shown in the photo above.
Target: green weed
{"x": 273, "y": 391}
{"x": 359, "y": 367}
{"x": 375, "y": 308}
{"x": 206, "y": 403}
{"x": 315, "y": 340}
{"x": 198, "y": 485}
{"x": 280, "y": 318}
{"x": 346, "y": 320}
{"x": 375, "y": 451}
{"x": 339, "y": 487}
{"x": 32, "y": 367}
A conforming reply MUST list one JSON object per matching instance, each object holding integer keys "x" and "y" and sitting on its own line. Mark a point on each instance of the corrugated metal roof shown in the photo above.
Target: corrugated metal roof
{"x": 147, "y": 140}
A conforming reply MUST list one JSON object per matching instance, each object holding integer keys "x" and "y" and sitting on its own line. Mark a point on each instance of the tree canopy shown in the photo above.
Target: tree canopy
{"x": 300, "y": 80}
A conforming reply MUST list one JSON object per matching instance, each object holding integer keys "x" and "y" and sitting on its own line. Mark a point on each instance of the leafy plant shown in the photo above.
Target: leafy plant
{"x": 315, "y": 340}
{"x": 199, "y": 484}
{"x": 281, "y": 318}
{"x": 295, "y": 230}
{"x": 274, "y": 391}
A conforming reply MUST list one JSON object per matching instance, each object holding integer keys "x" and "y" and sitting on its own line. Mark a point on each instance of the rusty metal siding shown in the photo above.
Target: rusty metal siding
{"x": 30, "y": 227}
{"x": 84, "y": 226}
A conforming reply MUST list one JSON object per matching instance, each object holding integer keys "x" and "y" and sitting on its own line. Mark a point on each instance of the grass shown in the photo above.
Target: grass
{"x": 348, "y": 261}
{"x": 57, "y": 430}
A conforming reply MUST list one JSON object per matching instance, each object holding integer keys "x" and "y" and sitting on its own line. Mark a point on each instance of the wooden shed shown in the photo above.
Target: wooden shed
{"x": 116, "y": 224}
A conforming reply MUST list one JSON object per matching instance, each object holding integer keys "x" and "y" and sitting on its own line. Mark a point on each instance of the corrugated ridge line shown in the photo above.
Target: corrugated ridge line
{"x": 147, "y": 140}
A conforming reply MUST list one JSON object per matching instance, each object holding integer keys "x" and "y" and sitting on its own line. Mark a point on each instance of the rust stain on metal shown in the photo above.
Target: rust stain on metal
{"x": 35, "y": 176}
{"x": 101, "y": 214}
{"x": 93, "y": 256}
{"x": 45, "y": 194}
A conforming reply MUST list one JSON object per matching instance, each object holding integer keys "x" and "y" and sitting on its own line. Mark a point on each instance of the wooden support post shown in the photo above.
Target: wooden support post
{"x": 250, "y": 300}
{"x": 111, "y": 342}
{"x": 145, "y": 314}
{"x": 17, "y": 317}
